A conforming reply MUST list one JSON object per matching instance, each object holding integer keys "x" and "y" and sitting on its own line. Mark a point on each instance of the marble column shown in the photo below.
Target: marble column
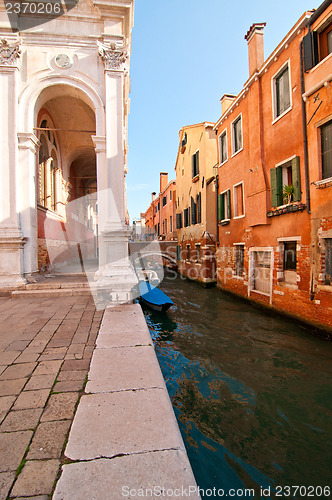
{"x": 116, "y": 272}
{"x": 28, "y": 145}
{"x": 11, "y": 236}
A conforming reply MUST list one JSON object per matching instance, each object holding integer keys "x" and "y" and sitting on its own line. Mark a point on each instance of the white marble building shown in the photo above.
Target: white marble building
{"x": 64, "y": 84}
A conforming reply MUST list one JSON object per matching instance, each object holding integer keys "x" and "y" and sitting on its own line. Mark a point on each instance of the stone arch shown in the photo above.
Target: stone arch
{"x": 30, "y": 95}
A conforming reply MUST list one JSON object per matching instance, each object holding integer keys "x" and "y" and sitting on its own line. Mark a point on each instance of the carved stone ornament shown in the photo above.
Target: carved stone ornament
{"x": 113, "y": 57}
{"x": 9, "y": 53}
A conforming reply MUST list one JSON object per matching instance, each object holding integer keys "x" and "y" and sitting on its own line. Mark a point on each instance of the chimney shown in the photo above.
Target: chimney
{"x": 255, "y": 42}
{"x": 163, "y": 180}
{"x": 153, "y": 195}
{"x": 226, "y": 101}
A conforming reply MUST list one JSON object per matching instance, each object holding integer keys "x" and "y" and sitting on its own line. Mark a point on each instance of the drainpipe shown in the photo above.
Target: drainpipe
{"x": 305, "y": 135}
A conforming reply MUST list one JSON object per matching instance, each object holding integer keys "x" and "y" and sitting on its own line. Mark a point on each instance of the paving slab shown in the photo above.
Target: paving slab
{"x": 48, "y": 440}
{"x": 11, "y": 387}
{"x": 123, "y": 422}
{"x": 71, "y": 375}
{"x": 167, "y": 473}
{"x": 8, "y": 357}
{"x": 68, "y": 386}
{"x": 16, "y": 371}
{"x": 5, "y": 404}
{"x": 36, "y": 478}
{"x": 13, "y": 446}
{"x": 31, "y": 399}
{"x": 40, "y": 382}
{"x": 27, "y": 357}
{"x": 76, "y": 364}
{"x": 60, "y": 407}
{"x": 6, "y": 481}
{"x": 123, "y": 320}
{"x": 47, "y": 368}
{"x": 124, "y": 368}
{"x": 39, "y": 497}
{"x": 21, "y": 420}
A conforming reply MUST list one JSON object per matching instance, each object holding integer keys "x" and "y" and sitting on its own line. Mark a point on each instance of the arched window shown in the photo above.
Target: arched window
{"x": 42, "y": 171}
{"x": 49, "y": 178}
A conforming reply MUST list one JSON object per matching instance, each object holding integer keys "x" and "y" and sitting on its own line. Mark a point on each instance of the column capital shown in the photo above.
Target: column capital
{"x": 28, "y": 140}
{"x": 99, "y": 142}
{"x": 9, "y": 53}
{"x": 114, "y": 57}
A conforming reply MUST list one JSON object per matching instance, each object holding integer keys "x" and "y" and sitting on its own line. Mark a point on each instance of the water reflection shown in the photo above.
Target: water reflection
{"x": 252, "y": 393}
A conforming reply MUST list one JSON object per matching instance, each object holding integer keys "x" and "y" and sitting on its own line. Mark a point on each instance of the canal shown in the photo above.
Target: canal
{"x": 251, "y": 392}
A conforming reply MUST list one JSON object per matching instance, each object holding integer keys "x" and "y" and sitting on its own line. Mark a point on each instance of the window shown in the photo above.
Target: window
{"x": 198, "y": 251}
{"x": 223, "y": 147}
{"x": 286, "y": 183}
{"x": 165, "y": 226}
{"x": 188, "y": 252}
{"x": 164, "y": 200}
{"x": 289, "y": 256}
{"x": 288, "y": 260}
{"x": 178, "y": 252}
{"x": 49, "y": 173}
{"x": 239, "y": 260}
{"x": 281, "y": 92}
{"x": 317, "y": 46}
{"x": 170, "y": 196}
{"x": 328, "y": 261}
{"x": 238, "y": 200}
{"x": 261, "y": 271}
{"x": 195, "y": 164}
{"x": 179, "y": 221}
{"x": 196, "y": 210}
{"x": 237, "y": 135}
{"x": 186, "y": 217}
{"x": 170, "y": 224}
{"x": 326, "y": 149}
{"x": 224, "y": 206}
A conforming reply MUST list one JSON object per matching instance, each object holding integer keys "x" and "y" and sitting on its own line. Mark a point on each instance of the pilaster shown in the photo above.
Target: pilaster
{"x": 11, "y": 237}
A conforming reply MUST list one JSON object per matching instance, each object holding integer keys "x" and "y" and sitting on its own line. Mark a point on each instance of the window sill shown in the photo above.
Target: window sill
{"x": 324, "y": 183}
{"x": 239, "y": 216}
{"x": 50, "y": 213}
{"x": 223, "y": 163}
{"x": 196, "y": 178}
{"x": 224, "y": 222}
{"x": 275, "y": 120}
{"x": 285, "y": 209}
{"x": 260, "y": 293}
{"x": 237, "y": 152}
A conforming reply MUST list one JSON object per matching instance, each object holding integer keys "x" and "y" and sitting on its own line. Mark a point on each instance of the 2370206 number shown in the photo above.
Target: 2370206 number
{"x": 33, "y": 8}
{"x": 303, "y": 491}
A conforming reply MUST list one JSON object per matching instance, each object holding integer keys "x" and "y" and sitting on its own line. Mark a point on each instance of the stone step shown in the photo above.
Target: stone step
{"x": 51, "y": 292}
{"x": 55, "y": 285}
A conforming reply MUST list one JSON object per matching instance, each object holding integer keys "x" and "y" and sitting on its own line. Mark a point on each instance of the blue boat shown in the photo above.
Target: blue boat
{"x": 153, "y": 297}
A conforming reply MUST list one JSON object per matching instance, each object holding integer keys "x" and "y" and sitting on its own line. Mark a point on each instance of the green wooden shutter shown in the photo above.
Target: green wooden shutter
{"x": 296, "y": 178}
{"x": 229, "y": 209}
{"x": 273, "y": 177}
{"x": 193, "y": 166}
{"x": 178, "y": 252}
{"x": 197, "y": 163}
{"x": 221, "y": 207}
{"x": 276, "y": 187}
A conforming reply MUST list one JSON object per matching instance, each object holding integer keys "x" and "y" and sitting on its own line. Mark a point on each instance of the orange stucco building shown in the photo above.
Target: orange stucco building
{"x": 274, "y": 205}
{"x": 160, "y": 216}
{"x": 196, "y": 202}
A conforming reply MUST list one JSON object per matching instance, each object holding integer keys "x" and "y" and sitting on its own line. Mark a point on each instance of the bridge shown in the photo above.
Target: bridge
{"x": 153, "y": 251}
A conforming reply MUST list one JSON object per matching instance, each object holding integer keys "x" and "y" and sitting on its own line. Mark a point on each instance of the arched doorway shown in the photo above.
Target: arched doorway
{"x": 66, "y": 178}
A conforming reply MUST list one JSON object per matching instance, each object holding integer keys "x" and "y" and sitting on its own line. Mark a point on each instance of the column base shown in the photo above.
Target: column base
{"x": 11, "y": 258}
{"x": 113, "y": 284}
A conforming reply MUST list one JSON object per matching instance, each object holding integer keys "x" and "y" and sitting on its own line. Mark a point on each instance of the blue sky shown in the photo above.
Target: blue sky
{"x": 185, "y": 55}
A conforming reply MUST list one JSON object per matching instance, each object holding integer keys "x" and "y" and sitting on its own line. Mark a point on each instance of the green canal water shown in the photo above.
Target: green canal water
{"x": 251, "y": 392}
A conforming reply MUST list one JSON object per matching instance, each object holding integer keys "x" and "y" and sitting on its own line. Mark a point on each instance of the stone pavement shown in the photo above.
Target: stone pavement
{"x": 45, "y": 349}
{"x": 125, "y": 441}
